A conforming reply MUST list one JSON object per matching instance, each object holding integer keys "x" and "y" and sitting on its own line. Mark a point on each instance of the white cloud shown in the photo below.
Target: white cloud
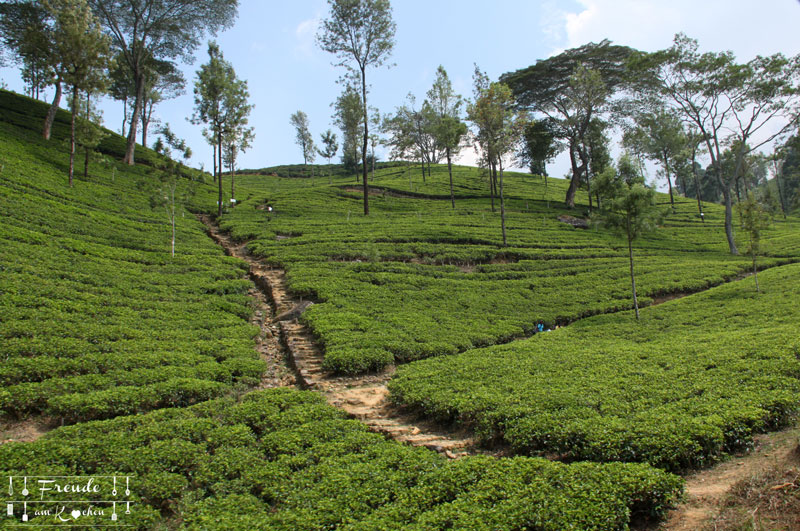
{"x": 744, "y": 27}
{"x": 305, "y": 33}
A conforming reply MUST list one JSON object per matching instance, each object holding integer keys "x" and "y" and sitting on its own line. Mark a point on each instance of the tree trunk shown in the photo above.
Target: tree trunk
{"x": 214, "y": 149}
{"x": 450, "y": 171}
{"x": 124, "y": 115}
{"x": 697, "y": 188}
{"x": 366, "y": 139}
{"x": 233, "y": 179}
{"x": 573, "y": 183}
{"x": 86, "y": 148}
{"x": 72, "y": 133}
{"x": 146, "y": 115}
{"x": 633, "y": 277}
{"x": 502, "y": 203}
{"x": 726, "y": 194}
{"x": 491, "y": 181}
{"x": 778, "y": 172}
{"x": 218, "y": 147}
{"x": 137, "y": 112}
{"x": 51, "y": 112}
{"x": 172, "y": 196}
{"x": 669, "y": 183}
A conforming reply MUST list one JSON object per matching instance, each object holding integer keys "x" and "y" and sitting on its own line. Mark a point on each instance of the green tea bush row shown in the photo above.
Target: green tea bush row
{"x": 694, "y": 379}
{"x": 283, "y": 459}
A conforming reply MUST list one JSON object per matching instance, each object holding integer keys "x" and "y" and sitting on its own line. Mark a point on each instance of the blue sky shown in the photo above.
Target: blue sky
{"x": 272, "y": 46}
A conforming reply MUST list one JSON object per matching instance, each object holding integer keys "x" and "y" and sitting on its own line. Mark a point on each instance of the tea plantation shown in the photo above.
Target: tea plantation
{"x": 694, "y": 379}
{"x": 150, "y": 358}
{"x": 96, "y": 319}
{"x": 417, "y": 279}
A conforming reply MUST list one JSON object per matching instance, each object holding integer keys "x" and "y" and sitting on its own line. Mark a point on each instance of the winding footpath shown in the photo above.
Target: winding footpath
{"x": 362, "y": 397}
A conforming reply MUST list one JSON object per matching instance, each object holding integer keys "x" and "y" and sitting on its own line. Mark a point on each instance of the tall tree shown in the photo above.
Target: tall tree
{"x": 159, "y": 30}
{"x": 238, "y": 138}
{"x": 570, "y": 89}
{"x": 167, "y": 194}
{"x": 717, "y": 95}
{"x": 448, "y": 129}
{"x": 328, "y": 139}
{"x": 83, "y": 53}
{"x": 361, "y": 34}
{"x": 539, "y": 147}
{"x": 303, "y": 137}
{"x": 349, "y": 117}
{"x": 499, "y": 129}
{"x": 627, "y": 206}
{"x": 220, "y": 102}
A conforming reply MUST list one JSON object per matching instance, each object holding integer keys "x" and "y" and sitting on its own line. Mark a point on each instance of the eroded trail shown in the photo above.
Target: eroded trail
{"x": 707, "y": 491}
{"x": 364, "y": 397}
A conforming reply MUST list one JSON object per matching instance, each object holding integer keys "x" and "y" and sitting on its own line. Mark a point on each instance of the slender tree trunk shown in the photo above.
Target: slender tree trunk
{"x": 573, "y": 183}
{"x": 669, "y": 183}
{"x": 137, "y": 111}
{"x": 86, "y": 148}
{"x": 778, "y": 172}
{"x": 726, "y": 194}
{"x": 51, "y": 112}
{"x": 147, "y": 113}
{"x": 124, "y": 115}
{"x": 491, "y": 181}
{"x": 218, "y": 147}
{"x": 72, "y": 133}
{"x": 502, "y": 203}
{"x": 366, "y": 139}
{"x": 697, "y": 188}
{"x": 633, "y": 277}
{"x": 214, "y": 151}
{"x": 450, "y": 171}
{"x": 738, "y": 196}
{"x": 233, "y": 179}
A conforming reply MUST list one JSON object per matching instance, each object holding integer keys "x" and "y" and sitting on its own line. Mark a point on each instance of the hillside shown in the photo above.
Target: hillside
{"x": 153, "y": 360}
{"x": 99, "y": 321}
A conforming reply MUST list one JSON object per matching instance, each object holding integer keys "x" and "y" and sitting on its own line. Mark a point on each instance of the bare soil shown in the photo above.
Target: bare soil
{"x": 27, "y": 430}
{"x": 713, "y": 498}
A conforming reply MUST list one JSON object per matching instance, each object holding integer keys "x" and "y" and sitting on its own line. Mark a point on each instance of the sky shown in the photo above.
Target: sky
{"x": 272, "y": 46}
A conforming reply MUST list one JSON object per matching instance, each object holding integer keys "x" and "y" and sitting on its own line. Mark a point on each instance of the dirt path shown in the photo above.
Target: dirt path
{"x": 27, "y": 430}
{"x": 364, "y": 397}
{"x": 706, "y": 491}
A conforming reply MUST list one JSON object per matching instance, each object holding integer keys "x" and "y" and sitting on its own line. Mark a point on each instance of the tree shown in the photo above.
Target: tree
{"x": 88, "y": 132}
{"x": 717, "y": 95}
{"x": 448, "y": 129}
{"x": 539, "y": 147}
{"x": 349, "y": 118}
{"x": 145, "y": 30}
{"x": 627, "y": 206}
{"x": 303, "y": 138}
{"x": 220, "y": 102}
{"x": 569, "y": 89}
{"x": 83, "y": 53}
{"x": 166, "y": 194}
{"x": 27, "y": 28}
{"x": 237, "y": 138}
{"x": 661, "y": 138}
{"x": 754, "y": 218}
{"x": 361, "y": 34}
{"x": 500, "y": 127}
{"x": 328, "y": 139}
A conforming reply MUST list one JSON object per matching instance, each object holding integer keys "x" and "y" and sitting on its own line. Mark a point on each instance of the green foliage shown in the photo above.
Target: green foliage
{"x": 282, "y": 459}
{"x": 98, "y": 321}
{"x": 694, "y": 379}
{"x": 421, "y": 279}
